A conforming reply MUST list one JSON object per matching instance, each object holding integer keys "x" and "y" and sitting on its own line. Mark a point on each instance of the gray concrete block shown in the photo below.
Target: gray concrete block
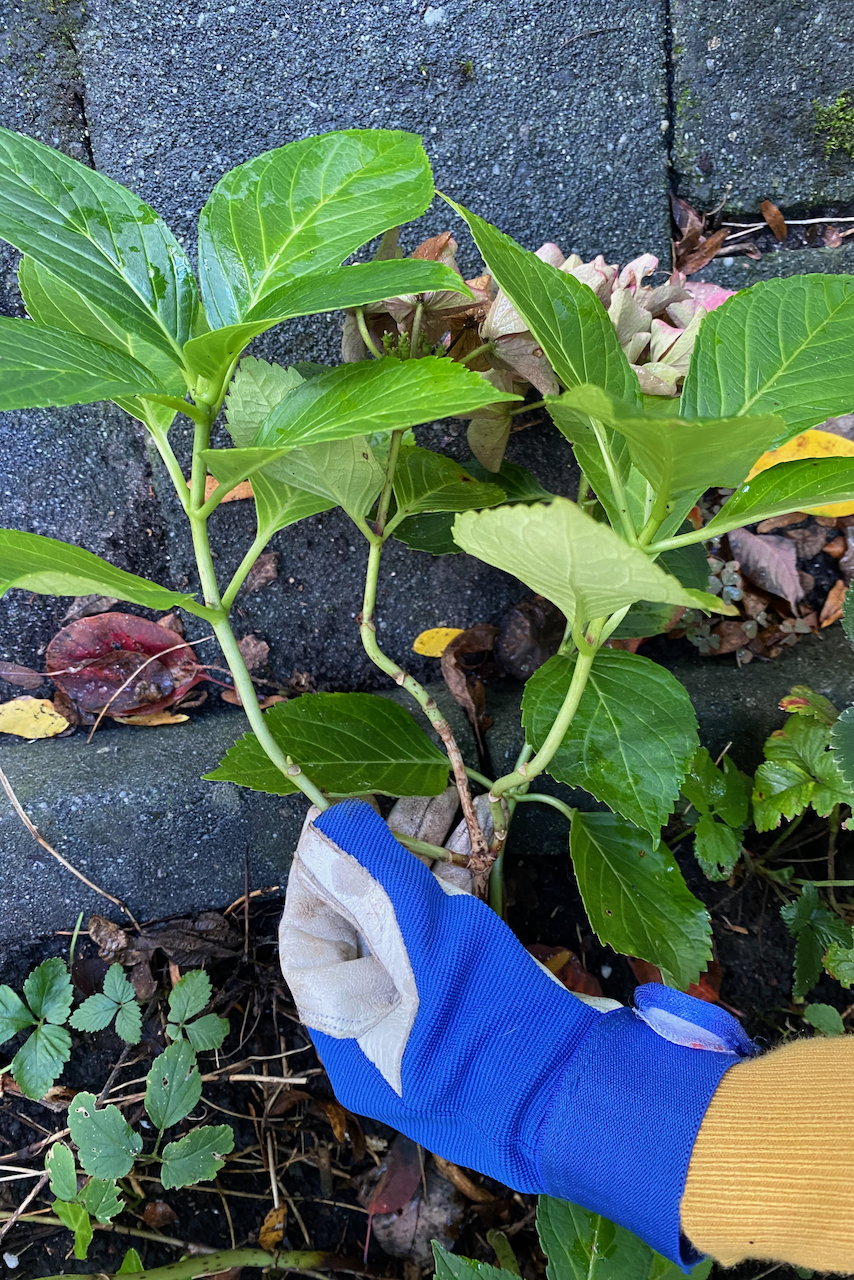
{"x": 745, "y": 75}
{"x": 544, "y": 116}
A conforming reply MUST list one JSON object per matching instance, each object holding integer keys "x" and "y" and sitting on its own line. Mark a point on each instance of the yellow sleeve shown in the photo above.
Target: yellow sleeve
{"x": 772, "y": 1170}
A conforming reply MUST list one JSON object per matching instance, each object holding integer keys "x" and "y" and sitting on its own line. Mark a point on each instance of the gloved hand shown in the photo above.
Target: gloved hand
{"x": 429, "y": 1015}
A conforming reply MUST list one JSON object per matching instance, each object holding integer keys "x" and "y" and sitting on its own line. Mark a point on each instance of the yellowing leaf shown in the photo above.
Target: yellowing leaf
{"x": 433, "y": 643}
{"x": 811, "y": 444}
{"x": 273, "y": 1228}
{"x": 31, "y": 718}
{"x": 153, "y": 720}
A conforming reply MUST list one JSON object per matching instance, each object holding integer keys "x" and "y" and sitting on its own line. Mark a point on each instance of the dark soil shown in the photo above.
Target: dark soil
{"x": 323, "y": 1176}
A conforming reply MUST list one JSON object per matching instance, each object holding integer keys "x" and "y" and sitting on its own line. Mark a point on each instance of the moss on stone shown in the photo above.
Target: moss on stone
{"x": 837, "y": 124}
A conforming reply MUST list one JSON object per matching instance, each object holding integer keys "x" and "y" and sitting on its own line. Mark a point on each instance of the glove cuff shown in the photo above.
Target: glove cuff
{"x": 622, "y": 1124}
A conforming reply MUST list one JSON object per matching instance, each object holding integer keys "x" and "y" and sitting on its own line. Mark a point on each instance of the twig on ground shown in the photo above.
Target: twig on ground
{"x": 34, "y": 832}
{"x": 25, "y": 1203}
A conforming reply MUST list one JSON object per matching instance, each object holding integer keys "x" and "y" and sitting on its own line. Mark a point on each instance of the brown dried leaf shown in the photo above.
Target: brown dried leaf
{"x": 463, "y": 679}
{"x": 142, "y": 980}
{"x": 232, "y": 697}
{"x": 462, "y": 1181}
{"x": 831, "y": 610}
{"x": 530, "y": 633}
{"x": 172, "y": 622}
{"x": 286, "y": 1100}
{"x": 242, "y": 490}
{"x": 254, "y": 651}
{"x": 732, "y": 637}
{"x": 436, "y": 248}
{"x": 781, "y": 522}
{"x": 768, "y": 561}
{"x": 189, "y": 941}
{"x": 264, "y": 571}
{"x": 808, "y": 541}
{"x": 689, "y": 222}
{"x": 157, "y": 1214}
{"x": 23, "y": 677}
{"x": 336, "y": 1115}
{"x": 397, "y": 1178}
{"x": 774, "y": 218}
{"x": 835, "y": 548}
{"x": 703, "y": 254}
{"x": 273, "y": 1228}
{"x": 113, "y": 942}
{"x": 87, "y": 607}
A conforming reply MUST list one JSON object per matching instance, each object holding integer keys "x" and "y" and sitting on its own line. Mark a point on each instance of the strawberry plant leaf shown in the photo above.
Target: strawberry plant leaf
{"x": 825, "y": 1019}
{"x": 798, "y": 770}
{"x": 40, "y": 1059}
{"x": 189, "y": 995}
{"x": 782, "y": 346}
{"x": 173, "y": 1086}
{"x": 75, "y": 1217}
{"x": 790, "y": 486}
{"x": 581, "y": 1245}
{"x": 719, "y": 791}
{"x": 52, "y": 568}
{"x": 451, "y": 1266}
{"x": 49, "y": 992}
{"x": 99, "y": 238}
{"x": 675, "y": 454}
{"x": 196, "y": 1158}
{"x": 59, "y": 1163}
{"x": 374, "y": 395}
{"x": 839, "y": 961}
{"x": 842, "y": 743}
{"x": 428, "y": 482}
{"x": 14, "y": 1014}
{"x": 129, "y": 1023}
{"x": 106, "y": 1144}
{"x": 632, "y": 738}
{"x": 636, "y": 899}
{"x": 717, "y": 847}
{"x": 815, "y": 929}
{"x": 100, "y": 1199}
{"x": 43, "y": 367}
{"x": 348, "y": 743}
{"x": 582, "y": 566}
{"x": 95, "y": 1013}
{"x": 207, "y": 1032}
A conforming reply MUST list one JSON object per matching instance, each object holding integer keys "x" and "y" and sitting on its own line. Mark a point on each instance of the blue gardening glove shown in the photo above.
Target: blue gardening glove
{"x": 429, "y": 1015}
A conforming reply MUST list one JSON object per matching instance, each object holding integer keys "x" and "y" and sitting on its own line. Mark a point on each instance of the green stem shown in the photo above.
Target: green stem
{"x": 616, "y": 481}
{"x": 527, "y": 408}
{"x": 525, "y": 772}
{"x": 194, "y": 411}
{"x": 388, "y": 485}
{"x": 172, "y": 466}
{"x": 207, "y": 1264}
{"x": 428, "y": 850}
{"x": 240, "y": 573}
{"x": 245, "y": 688}
{"x": 478, "y": 351}
{"x": 539, "y": 797}
{"x": 416, "y": 329}
{"x": 366, "y": 337}
{"x": 478, "y": 777}
{"x": 656, "y": 518}
{"x": 496, "y": 885}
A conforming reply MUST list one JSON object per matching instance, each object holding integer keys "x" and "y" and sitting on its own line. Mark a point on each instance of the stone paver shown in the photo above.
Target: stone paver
{"x": 745, "y": 75}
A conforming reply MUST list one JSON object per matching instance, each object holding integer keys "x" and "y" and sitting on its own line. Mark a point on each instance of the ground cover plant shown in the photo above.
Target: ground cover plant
{"x": 658, "y": 411}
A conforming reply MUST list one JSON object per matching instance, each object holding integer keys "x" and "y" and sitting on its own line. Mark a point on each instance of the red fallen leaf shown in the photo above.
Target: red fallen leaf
{"x": 769, "y": 561}
{"x": 92, "y": 658}
{"x": 157, "y": 1213}
{"x": 399, "y": 1176}
{"x": 567, "y": 968}
{"x": 708, "y": 988}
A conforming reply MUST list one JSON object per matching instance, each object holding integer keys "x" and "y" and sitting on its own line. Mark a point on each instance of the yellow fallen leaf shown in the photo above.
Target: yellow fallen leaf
{"x": 31, "y": 718}
{"x": 433, "y": 643}
{"x": 812, "y": 444}
{"x": 273, "y": 1228}
{"x": 153, "y": 720}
